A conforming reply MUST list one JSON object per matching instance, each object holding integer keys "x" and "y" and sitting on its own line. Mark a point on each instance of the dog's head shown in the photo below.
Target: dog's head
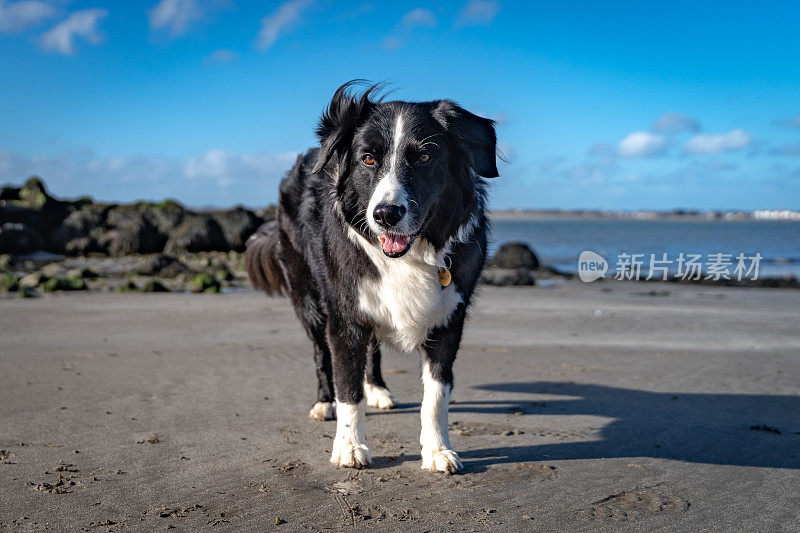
{"x": 404, "y": 170}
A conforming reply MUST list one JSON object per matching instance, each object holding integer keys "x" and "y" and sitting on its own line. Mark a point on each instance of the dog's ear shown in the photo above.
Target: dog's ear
{"x": 475, "y": 136}
{"x": 339, "y": 123}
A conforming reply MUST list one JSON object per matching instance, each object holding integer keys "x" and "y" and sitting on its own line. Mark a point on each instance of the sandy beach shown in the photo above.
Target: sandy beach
{"x": 577, "y": 407}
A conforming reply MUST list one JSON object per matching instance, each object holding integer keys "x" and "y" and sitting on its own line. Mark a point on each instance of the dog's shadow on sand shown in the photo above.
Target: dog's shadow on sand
{"x": 722, "y": 429}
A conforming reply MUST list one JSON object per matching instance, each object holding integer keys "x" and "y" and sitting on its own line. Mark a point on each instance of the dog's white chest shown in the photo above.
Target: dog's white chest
{"x": 407, "y": 300}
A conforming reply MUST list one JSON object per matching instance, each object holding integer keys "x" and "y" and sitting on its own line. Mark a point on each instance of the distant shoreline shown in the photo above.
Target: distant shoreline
{"x": 761, "y": 215}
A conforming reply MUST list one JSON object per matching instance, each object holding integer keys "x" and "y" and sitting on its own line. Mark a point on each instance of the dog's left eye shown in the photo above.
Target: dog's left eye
{"x": 368, "y": 159}
{"x": 424, "y": 158}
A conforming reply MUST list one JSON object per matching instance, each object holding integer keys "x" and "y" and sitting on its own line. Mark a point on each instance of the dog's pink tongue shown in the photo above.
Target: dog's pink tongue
{"x": 393, "y": 244}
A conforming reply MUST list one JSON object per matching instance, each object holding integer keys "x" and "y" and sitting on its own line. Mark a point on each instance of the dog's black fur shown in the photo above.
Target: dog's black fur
{"x": 310, "y": 252}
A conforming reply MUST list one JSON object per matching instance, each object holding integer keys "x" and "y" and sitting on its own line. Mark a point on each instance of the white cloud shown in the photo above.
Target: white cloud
{"x": 174, "y": 16}
{"x": 672, "y": 123}
{"x": 215, "y": 177}
{"x": 419, "y": 17}
{"x": 477, "y": 13}
{"x": 642, "y": 144}
{"x": 19, "y": 16}
{"x": 83, "y": 23}
{"x": 718, "y": 142}
{"x": 221, "y": 56}
{"x": 272, "y": 26}
{"x": 225, "y": 165}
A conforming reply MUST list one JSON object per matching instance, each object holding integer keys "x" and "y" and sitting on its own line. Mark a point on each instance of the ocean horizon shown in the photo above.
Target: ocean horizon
{"x": 558, "y": 242}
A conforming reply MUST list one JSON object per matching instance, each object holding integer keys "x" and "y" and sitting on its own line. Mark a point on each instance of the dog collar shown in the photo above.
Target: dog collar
{"x": 445, "y": 278}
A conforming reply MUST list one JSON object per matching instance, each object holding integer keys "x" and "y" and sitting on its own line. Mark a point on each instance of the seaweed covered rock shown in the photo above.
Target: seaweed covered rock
{"x": 33, "y": 193}
{"x": 132, "y": 231}
{"x": 204, "y": 282}
{"x": 166, "y": 215}
{"x": 33, "y": 206}
{"x": 133, "y": 238}
{"x": 77, "y": 234}
{"x": 154, "y": 285}
{"x": 9, "y": 282}
{"x": 197, "y": 233}
{"x": 83, "y": 227}
{"x": 160, "y": 264}
{"x": 63, "y": 284}
{"x": 514, "y": 255}
{"x": 237, "y": 225}
{"x": 18, "y": 238}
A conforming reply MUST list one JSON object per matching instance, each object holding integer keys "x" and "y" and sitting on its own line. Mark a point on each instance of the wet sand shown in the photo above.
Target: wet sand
{"x": 578, "y": 407}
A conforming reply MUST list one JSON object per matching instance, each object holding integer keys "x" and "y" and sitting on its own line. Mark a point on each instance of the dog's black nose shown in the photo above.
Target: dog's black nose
{"x": 389, "y": 215}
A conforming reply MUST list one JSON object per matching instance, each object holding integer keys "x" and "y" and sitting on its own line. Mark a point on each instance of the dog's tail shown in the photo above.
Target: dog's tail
{"x": 263, "y": 261}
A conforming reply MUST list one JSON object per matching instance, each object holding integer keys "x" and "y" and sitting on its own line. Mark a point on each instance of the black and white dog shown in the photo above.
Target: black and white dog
{"x": 380, "y": 238}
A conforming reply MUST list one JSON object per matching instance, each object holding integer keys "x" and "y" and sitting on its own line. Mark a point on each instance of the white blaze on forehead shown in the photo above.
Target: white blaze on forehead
{"x": 398, "y": 134}
{"x": 389, "y": 189}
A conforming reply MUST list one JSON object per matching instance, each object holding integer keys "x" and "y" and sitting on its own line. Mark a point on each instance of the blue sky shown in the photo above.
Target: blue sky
{"x": 621, "y": 105}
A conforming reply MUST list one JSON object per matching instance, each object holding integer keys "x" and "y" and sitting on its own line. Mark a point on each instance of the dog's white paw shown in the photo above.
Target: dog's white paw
{"x": 446, "y": 461}
{"x": 379, "y": 397}
{"x": 350, "y": 455}
{"x": 322, "y": 411}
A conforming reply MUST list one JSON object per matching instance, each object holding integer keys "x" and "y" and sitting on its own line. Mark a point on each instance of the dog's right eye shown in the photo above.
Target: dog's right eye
{"x": 368, "y": 159}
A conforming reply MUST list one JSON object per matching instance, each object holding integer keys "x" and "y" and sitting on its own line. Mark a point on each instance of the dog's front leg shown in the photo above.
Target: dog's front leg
{"x": 348, "y": 343}
{"x": 439, "y": 352}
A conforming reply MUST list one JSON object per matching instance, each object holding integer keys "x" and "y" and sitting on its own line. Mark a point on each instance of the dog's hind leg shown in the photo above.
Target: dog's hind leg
{"x": 314, "y": 322}
{"x": 324, "y": 408}
{"x": 305, "y": 300}
{"x": 375, "y": 389}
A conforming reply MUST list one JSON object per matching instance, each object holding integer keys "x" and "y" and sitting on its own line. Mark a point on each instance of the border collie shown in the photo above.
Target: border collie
{"x": 380, "y": 238}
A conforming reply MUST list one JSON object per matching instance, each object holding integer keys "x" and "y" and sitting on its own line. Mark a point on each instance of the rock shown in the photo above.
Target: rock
{"x": 507, "y": 277}
{"x": 18, "y": 238}
{"x": 9, "y": 283}
{"x": 128, "y": 286}
{"x": 196, "y": 233}
{"x": 237, "y": 225}
{"x": 81, "y": 273}
{"x": 223, "y": 274}
{"x": 166, "y": 215}
{"x": 27, "y": 292}
{"x": 204, "y": 282}
{"x": 82, "y": 201}
{"x": 160, "y": 264}
{"x": 31, "y": 205}
{"x": 514, "y": 255}
{"x": 76, "y": 235}
{"x": 154, "y": 285}
{"x": 83, "y": 246}
{"x": 53, "y": 270}
{"x": 9, "y": 192}
{"x": 32, "y": 280}
{"x": 33, "y": 193}
{"x": 6, "y": 260}
{"x": 63, "y": 284}
{"x": 136, "y": 237}
{"x": 133, "y": 231}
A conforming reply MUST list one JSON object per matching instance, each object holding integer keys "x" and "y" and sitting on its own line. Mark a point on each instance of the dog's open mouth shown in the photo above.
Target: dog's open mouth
{"x": 395, "y": 245}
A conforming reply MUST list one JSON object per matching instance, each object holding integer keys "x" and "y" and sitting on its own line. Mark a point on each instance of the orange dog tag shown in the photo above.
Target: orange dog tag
{"x": 445, "y": 278}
